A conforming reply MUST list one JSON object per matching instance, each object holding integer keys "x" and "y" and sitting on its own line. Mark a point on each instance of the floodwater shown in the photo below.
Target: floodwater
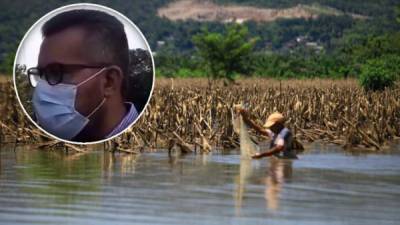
{"x": 322, "y": 187}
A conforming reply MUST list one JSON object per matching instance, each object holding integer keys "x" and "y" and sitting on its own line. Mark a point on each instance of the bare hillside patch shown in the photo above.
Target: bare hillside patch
{"x": 209, "y": 11}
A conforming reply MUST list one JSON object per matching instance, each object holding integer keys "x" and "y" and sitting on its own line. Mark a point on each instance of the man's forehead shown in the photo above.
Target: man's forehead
{"x": 66, "y": 46}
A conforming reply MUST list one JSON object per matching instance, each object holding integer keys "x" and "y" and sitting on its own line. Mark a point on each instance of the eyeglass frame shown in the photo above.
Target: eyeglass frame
{"x": 61, "y": 65}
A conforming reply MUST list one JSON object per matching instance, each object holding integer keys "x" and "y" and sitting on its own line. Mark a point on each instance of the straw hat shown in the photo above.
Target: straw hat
{"x": 273, "y": 119}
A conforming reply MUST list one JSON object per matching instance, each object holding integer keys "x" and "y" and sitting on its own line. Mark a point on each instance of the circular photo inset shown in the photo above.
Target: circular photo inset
{"x": 83, "y": 73}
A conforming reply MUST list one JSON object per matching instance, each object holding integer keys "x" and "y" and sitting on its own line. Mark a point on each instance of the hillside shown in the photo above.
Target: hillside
{"x": 210, "y": 11}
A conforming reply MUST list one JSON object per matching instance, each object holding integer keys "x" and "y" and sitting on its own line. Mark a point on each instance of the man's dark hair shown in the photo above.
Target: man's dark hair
{"x": 105, "y": 35}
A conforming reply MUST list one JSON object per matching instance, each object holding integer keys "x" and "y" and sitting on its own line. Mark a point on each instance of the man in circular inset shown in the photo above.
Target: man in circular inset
{"x": 81, "y": 75}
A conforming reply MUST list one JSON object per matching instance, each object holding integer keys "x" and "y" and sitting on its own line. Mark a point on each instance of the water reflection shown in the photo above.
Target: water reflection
{"x": 64, "y": 178}
{"x": 279, "y": 172}
{"x": 59, "y": 175}
{"x": 120, "y": 163}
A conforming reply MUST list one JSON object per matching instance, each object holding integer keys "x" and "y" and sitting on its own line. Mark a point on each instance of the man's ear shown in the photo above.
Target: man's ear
{"x": 113, "y": 81}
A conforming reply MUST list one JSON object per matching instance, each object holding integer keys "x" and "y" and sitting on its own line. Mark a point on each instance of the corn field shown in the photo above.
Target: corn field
{"x": 189, "y": 115}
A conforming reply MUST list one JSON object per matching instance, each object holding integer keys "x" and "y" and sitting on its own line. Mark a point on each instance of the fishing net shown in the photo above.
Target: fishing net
{"x": 247, "y": 146}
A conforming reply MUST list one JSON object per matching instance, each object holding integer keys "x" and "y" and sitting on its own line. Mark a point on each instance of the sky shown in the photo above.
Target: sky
{"x": 28, "y": 50}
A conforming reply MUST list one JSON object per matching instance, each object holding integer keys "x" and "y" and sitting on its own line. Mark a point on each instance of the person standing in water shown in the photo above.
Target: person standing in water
{"x": 282, "y": 139}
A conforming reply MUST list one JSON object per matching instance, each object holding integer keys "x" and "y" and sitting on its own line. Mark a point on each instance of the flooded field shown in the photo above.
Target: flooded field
{"x": 324, "y": 186}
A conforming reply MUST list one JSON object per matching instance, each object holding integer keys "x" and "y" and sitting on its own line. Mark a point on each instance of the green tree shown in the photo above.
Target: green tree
{"x": 378, "y": 74}
{"x": 225, "y": 54}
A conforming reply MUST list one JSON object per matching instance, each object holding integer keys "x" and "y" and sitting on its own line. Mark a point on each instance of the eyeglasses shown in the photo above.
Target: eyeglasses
{"x": 54, "y": 73}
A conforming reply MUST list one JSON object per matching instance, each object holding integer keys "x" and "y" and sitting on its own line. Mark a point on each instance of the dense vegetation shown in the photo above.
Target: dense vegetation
{"x": 227, "y": 53}
{"x": 334, "y": 47}
{"x": 374, "y": 59}
{"x": 331, "y": 46}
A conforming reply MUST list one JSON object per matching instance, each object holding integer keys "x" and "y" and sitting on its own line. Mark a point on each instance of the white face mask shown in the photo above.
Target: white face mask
{"x": 54, "y": 107}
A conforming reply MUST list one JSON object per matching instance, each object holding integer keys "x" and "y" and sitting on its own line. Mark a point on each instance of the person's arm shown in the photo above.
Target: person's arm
{"x": 280, "y": 143}
{"x": 272, "y": 151}
{"x": 251, "y": 123}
